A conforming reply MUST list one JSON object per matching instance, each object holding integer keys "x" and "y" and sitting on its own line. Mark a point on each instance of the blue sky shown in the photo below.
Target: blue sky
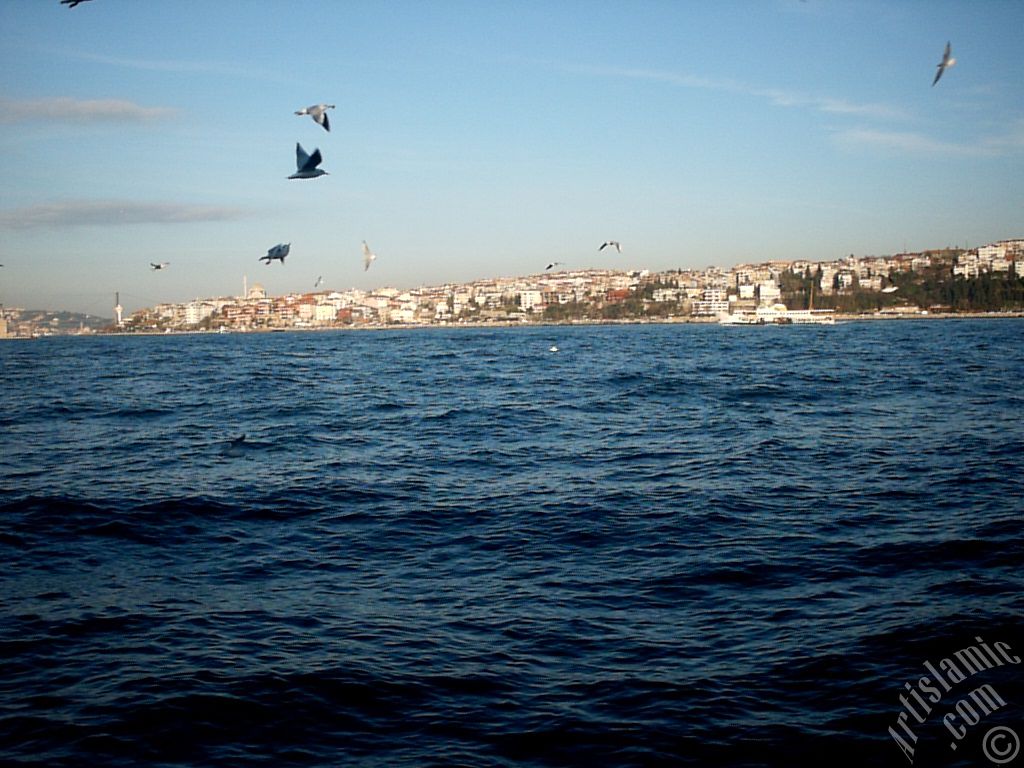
{"x": 476, "y": 139}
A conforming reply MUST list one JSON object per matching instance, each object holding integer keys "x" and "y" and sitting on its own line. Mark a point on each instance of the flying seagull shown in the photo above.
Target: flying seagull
{"x": 552, "y": 265}
{"x": 318, "y": 281}
{"x": 72, "y": 3}
{"x": 613, "y": 243}
{"x": 368, "y": 256}
{"x": 278, "y": 252}
{"x": 319, "y": 113}
{"x": 307, "y": 164}
{"x": 161, "y": 265}
{"x": 947, "y": 62}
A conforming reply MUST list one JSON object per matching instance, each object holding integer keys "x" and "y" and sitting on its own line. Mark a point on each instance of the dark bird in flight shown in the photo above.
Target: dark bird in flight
{"x": 72, "y": 3}
{"x": 307, "y": 164}
{"x": 613, "y": 243}
{"x": 278, "y": 252}
{"x": 947, "y": 62}
{"x": 161, "y": 265}
{"x": 552, "y": 265}
{"x": 319, "y": 113}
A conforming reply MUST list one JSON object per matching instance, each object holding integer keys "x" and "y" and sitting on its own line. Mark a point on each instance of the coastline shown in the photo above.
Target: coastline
{"x": 840, "y": 319}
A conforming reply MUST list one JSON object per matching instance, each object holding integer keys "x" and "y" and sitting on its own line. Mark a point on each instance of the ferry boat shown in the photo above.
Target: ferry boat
{"x": 779, "y": 314}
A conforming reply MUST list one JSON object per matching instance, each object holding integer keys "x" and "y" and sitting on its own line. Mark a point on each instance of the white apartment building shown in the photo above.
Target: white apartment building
{"x": 768, "y": 293}
{"x": 404, "y": 314}
{"x": 714, "y": 302}
{"x": 531, "y": 299}
{"x": 828, "y": 275}
{"x": 197, "y": 311}
{"x": 325, "y": 313}
{"x": 871, "y": 283}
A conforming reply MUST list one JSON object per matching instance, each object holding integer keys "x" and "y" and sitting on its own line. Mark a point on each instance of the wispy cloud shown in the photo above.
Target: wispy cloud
{"x": 903, "y": 141}
{"x": 77, "y": 213}
{"x": 67, "y": 110}
{"x": 921, "y": 144}
{"x": 1010, "y": 141}
{"x": 776, "y": 96}
{"x": 177, "y": 66}
{"x": 168, "y": 65}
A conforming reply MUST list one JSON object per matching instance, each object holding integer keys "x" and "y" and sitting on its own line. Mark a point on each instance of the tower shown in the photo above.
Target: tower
{"x": 118, "y": 309}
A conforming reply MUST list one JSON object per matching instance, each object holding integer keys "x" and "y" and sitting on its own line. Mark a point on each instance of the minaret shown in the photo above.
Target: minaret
{"x": 118, "y": 309}
{"x": 245, "y": 286}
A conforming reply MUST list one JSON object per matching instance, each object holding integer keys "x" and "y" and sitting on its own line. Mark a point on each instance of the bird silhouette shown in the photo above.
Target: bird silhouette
{"x": 278, "y": 252}
{"x": 947, "y": 62}
{"x": 307, "y": 164}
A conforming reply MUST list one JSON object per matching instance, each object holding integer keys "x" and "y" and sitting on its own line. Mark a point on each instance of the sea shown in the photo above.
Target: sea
{"x": 616, "y": 545}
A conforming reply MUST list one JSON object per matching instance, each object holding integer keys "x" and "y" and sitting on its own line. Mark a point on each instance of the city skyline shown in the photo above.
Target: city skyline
{"x": 599, "y": 294}
{"x": 470, "y": 141}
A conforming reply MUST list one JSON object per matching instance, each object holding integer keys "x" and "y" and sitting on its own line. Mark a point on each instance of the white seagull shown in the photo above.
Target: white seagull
{"x": 161, "y": 265}
{"x": 318, "y": 281}
{"x": 368, "y": 256}
{"x": 72, "y": 3}
{"x": 947, "y": 62}
{"x": 319, "y": 113}
{"x": 552, "y": 265}
{"x": 307, "y": 164}
{"x": 613, "y": 243}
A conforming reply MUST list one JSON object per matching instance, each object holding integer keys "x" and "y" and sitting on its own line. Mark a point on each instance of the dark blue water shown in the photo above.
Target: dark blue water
{"x": 661, "y": 545}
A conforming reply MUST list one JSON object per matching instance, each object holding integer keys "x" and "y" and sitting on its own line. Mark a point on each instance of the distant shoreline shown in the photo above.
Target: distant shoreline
{"x": 840, "y": 318}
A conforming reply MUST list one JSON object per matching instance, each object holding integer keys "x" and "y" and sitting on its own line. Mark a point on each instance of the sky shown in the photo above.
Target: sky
{"x": 485, "y": 139}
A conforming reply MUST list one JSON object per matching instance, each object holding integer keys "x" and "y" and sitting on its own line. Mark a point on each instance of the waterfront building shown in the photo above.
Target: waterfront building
{"x": 713, "y": 302}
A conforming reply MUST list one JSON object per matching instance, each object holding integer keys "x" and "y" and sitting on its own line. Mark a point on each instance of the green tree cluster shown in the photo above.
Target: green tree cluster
{"x": 932, "y": 287}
